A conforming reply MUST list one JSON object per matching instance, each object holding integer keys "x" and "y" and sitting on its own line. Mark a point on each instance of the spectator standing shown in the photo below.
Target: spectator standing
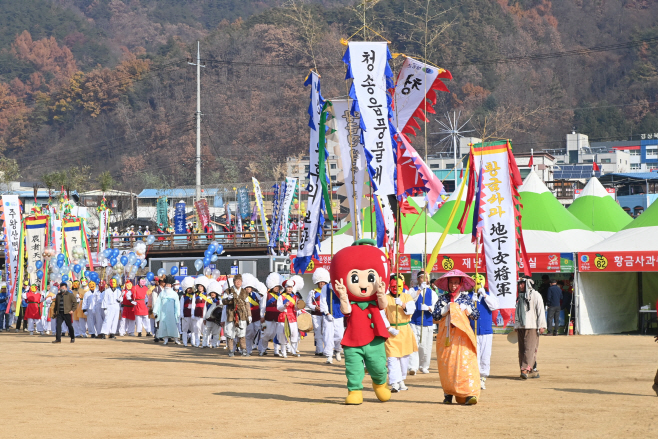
{"x": 64, "y": 304}
{"x": 554, "y": 296}
{"x": 530, "y": 322}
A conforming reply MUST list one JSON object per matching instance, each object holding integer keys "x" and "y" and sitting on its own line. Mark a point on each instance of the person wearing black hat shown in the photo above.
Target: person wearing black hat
{"x": 64, "y": 305}
{"x": 167, "y": 312}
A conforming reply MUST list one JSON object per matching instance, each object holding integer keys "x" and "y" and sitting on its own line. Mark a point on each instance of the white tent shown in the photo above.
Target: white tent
{"x": 619, "y": 275}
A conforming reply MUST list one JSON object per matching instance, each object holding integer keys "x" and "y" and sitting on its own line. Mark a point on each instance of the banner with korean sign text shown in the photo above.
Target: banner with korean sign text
{"x": 11, "y": 216}
{"x": 36, "y": 232}
{"x": 606, "y": 262}
{"x": 367, "y": 66}
{"x": 498, "y": 213}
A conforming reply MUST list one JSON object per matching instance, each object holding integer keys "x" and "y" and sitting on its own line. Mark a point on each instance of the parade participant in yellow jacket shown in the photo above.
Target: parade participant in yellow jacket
{"x": 401, "y": 343}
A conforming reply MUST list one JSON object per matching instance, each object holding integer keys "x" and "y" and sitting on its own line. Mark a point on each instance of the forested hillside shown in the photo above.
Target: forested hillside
{"x": 105, "y": 85}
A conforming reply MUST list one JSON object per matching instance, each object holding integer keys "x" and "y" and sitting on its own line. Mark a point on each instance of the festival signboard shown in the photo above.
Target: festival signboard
{"x": 614, "y": 261}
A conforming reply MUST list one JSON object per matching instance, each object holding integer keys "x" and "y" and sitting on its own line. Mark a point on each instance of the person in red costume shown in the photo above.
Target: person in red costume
{"x": 140, "y": 292}
{"x": 33, "y": 310}
{"x": 359, "y": 274}
{"x": 127, "y": 324}
{"x": 287, "y": 306}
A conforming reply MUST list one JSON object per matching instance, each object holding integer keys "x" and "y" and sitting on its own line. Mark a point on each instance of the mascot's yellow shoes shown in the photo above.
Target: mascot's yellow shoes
{"x": 354, "y": 397}
{"x": 382, "y": 391}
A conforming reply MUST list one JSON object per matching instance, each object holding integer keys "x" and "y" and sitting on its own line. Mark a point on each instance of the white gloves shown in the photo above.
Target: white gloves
{"x": 133, "y": 302}
{"x": 230, "y": 296}
{"x": 398, "y": 302}
{"x": 393, "y": 331}
{"x": 481, "y": 292}
{"x": 330, "y": 318}
{"x": 424, "y": 307}
{"x": 249, "y": 319}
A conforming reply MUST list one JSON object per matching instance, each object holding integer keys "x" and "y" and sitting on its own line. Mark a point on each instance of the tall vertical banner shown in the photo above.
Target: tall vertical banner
{"x": 11, "y": 216}
{"x": 36, "y": 230}
{"x": 261, "y": 206}
{"x": 161, "y": 210}
{"x": 227, "y": 211}
{"x": 203, "y": 212}
{"x": 103, "y": 221}
{"x": 276, "y": 206}
{"x": 238, "y": 218}
{"x": 179, "y": 219}
{"x": 72, "y": 228}
{"x": 57, "y": 234}
{"x": 243, "y": 200}
{"x": 314, "y": 219}
{"x": 498, "y": 216}
{"x": 291, "y": 185}
{"x": 352, "y": 159}
{"x": 367, "y": 66}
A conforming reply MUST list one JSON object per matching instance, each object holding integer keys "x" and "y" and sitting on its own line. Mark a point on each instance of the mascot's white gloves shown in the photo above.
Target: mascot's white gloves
{"x": 330, "y": 318}
{"x": 393, "y": 331}
{"x": 425, "y": 307}
{"x": 398, "y": 302}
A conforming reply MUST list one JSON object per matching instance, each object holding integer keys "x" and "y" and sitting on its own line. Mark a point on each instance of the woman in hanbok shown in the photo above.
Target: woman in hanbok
{"x": 456, "y": 350}
{"x": 167, "y": 312}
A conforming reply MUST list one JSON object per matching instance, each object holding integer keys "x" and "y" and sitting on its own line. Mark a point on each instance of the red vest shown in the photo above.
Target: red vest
{"x": 199, "y": 307}
{"x": 271, "y": 311}
{"x": 128, "y": 311}
{"x": 364, "y": 325}
{"x": 291, "y": 310}
{"x": 33, "y": 310}
{"x": 139, "y": 296}
{"x": 187, "y": 300}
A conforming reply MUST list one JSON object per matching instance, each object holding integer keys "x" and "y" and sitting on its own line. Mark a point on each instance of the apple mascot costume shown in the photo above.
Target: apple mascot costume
{"x": 359, "y": 274}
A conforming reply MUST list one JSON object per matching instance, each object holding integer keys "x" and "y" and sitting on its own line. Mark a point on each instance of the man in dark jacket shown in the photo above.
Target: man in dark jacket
{"x": 64, "y": 304}
{"x": 554, "y": 296}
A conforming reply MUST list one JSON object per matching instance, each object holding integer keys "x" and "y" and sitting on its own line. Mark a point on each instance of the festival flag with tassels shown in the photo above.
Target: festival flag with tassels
{"x": 416, "y": 83}
{"x": 372, "y": 77}
{"x": 493, "y": 167}
{"x": 314, "y": 218}
{"x": 11, "y": 218}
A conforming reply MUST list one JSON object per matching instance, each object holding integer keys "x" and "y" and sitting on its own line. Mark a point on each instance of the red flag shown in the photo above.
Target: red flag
{"x": 461, "y": 174}
{"x": 531, "y": 162}
{"x": 595, "y": 167}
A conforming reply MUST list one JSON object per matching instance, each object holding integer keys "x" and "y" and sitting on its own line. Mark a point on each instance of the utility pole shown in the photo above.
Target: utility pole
{"x": 198, "y": 119}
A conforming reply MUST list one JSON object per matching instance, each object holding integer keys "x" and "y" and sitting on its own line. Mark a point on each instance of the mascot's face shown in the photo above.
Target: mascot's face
{"x": 142, "y": 282}
{"x": 102, "y": 285}
{"x": 33, "y": 289}
{"x": 362, "y": 283}
{"x": 129, "y": 285}
{"x": 92, "y": 285}
{"x": 361, "y": 268}
{"x": 113, "y": 283}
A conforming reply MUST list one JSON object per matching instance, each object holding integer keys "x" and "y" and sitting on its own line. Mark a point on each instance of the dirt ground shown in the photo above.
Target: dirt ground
{"x": 590, "y": 386}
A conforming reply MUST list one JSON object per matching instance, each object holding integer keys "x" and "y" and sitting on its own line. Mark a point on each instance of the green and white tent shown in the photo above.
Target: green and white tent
{"x": 596, "y": 208}
{"x": 547, "y": 226}
{"x": 608, "y": 301}
{"x": 413, "y": 230}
